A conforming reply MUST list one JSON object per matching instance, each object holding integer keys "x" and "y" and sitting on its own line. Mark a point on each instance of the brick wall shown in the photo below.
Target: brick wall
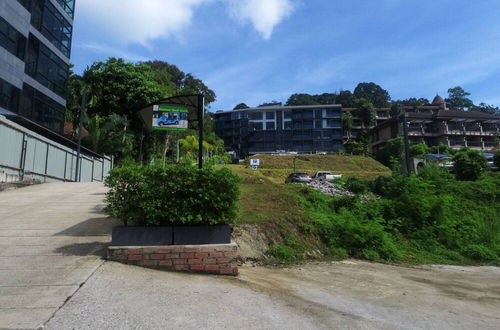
{"x": 213, "y": 258}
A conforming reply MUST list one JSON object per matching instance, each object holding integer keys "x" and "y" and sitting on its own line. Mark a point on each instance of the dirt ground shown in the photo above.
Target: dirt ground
{"x": 340, "y": 295}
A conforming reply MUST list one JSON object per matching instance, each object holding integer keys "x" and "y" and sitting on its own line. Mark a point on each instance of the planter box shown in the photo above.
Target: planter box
{"x": 182, "y": 235}
{"x": 220, "y": 234}
{"x": 141, "y": 236}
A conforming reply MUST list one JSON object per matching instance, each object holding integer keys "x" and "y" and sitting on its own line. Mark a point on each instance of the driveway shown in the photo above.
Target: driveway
{"x": 52, "y": 238}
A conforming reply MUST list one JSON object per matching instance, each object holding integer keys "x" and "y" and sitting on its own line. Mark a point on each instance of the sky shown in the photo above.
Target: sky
{"x": 256, "y": 51}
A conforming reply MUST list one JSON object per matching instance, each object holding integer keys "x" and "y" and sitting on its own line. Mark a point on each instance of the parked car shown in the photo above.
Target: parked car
{"x": 489, "y": 159}
{"x": 441, "y": 160}
{"x": 298, "y": 177}
{"x": 326, "y": 176}
{"x": 162, "y": 121}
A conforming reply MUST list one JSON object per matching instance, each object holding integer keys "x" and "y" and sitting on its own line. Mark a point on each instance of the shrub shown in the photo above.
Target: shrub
{"x": 419, "y": 149}
{"x": 496, "y": 159}
{"x": 282, "y": 253}
{"x": 174, "y": 195}
{"x": 480, "y": 253}
{"x": 357, "y": 186}
{"x": 469, "y": 165}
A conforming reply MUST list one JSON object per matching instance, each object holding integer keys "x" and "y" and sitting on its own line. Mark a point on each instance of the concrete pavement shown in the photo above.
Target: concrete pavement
{"x": 52, "y": 238}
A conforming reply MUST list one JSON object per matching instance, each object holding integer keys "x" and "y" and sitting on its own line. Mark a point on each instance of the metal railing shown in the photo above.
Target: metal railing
{"x": 28, "y": 155}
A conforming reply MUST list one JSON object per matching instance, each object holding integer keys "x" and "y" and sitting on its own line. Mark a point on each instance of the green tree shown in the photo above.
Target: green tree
{"x": 120, "y": 87}
{"x": 365, "y": 111}
{"x": 241, "y": 106}
{"x": 301, "y": 99}
{"x": 347, "y": 123}
{"x": 419, "y": 149}
{"x": 486, "y": 108}
{"x": 392, "y": 154}
{"x": 345, "y": 98}
{"x": 414, "y": 102}
{"x": 457, "y": 99}
{"x": 356, "y": 147}
{"x": 372, "y": 92}
{"x": 469, "y": 165}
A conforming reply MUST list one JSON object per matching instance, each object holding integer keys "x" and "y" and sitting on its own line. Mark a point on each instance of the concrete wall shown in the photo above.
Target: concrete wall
{"x": 28, "y": 155}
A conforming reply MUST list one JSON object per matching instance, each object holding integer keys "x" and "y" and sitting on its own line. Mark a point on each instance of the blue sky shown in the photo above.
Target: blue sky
{"x": 255, "y": 51}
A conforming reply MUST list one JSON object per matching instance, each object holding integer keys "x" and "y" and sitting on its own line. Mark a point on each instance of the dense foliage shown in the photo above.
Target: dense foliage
{"x": 429, "y": 218}
{"x": 172, "y": 195}
{"x": 469, "y": 164}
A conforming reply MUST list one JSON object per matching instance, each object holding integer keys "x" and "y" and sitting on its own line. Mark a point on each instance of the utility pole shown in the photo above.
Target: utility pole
{"x": 80, "y": 134}
{"x": 201, "y": 116}
{"x": 409, "y": 166}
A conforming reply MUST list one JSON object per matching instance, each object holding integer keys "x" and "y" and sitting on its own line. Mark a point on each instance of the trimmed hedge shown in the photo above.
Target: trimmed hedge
{"x": 172, "y": 195}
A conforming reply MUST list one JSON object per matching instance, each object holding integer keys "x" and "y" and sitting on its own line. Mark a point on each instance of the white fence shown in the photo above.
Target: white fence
{"x": 27, "y": 155}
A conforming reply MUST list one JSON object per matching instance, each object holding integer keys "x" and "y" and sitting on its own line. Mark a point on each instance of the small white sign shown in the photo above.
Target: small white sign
{"x": 255, "y": 162}
{"x": 255, "y": 167}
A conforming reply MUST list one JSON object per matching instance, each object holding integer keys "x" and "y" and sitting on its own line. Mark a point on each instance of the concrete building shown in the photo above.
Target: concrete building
{"x": 436, "y": 123}
{"x": 35, "y": 47}
{"x": 271, "y": 129}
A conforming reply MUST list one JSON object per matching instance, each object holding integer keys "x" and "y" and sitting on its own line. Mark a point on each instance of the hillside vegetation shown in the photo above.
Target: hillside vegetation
{"x": 429, "y": 218}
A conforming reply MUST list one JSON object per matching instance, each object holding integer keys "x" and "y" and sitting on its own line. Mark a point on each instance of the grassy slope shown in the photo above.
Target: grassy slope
{"x": 267, "y": 201}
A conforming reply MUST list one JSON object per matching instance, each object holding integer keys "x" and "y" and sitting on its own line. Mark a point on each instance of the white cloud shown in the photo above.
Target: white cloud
{"x": 133, "y": 21}
{"x": 263, "y": 14}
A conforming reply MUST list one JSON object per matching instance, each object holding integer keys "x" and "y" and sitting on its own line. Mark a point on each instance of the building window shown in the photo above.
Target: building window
{"x": 68, "y": 6}
{"x": 270, "y": 115}
{"x": 318, "y": 113}
{"x": 256, "y": 115}
{"x": 318, "y": 124}
{"x": 9, "y": 96}
{"x": 308, "y": 124}
{"x": 256, "y": 126}
{"x": 11, "y": 39}
{"x": 270, "y": 126}
{"x": 332, "y": 123}
{"x": 287, "y": 125}
{"x": 235, "y": 115}
{"x": 287, "y": 115}
{"x": 46, "y": 67}
{"x": 42, "y": 109}
{"x": 330, "y": 113}
{"x": 308, "y": 114}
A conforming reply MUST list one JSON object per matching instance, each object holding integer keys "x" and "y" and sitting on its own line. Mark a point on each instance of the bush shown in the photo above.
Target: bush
{"x": 357, "y": 186}
{"x": 496, "y": 159}
{"x": 480, "y": 253}
{"x": 174, "y": 195}
{"x": 419, "y": 149}
{"x": 469, "y": 165}
{"x": 283, "y": 254}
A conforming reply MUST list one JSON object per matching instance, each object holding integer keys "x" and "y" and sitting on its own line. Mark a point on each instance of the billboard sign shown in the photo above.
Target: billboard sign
{"x": 170, "y": 118}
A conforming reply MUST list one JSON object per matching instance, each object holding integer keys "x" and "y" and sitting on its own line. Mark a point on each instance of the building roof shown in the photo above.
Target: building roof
{"x": 283, "y": 107}
{"x": 438, "y": 100}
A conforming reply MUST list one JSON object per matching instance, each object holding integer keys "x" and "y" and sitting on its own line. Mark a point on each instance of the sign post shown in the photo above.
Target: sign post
{"x": 255, "y": 163}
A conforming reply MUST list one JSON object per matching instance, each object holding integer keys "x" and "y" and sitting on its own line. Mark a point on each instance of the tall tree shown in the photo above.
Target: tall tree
{"x": 347, "y": 123}
{"x": 301, "y": 99}
{"x": 365, "y": 111}
{"x": 396, "y": 109}
{"x": 413, "y": 102}
{"x": 372, "y": 92}
{"x": 345, "y": 98}
{"x": 457, "y": 99}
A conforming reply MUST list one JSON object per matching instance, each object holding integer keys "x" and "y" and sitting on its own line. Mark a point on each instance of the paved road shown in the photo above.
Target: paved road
{"x": 348, "y": 295}
{"x": 52, "y": 237}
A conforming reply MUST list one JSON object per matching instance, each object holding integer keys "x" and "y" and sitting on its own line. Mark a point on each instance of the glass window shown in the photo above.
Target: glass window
{"x": 256, "y": 126}
{"x": 318, "y": 124}
{"x": 270, "y": 126}
{"x": 318, "y": 113}
{"x": 330, "y": 113}
{"x": 287, "y": 114}
{"x": 270, "y": 115}
{"x": 9, "y": 96}
{"x": 243, "y": 115}
{"x": 287, "y": 125}
{"x": 307, "y": 114}
{"x": 308, "y": 124}
{"x": 46, "y": 67}
{"x": 68, "y": 6}
{"x": 235, "y": 115}
{"x": 332, "y": 123}
{"x": 42, "y": 109}
{"x": 256, "y": 116}
{"x": 317, "y": 135}
{"x": 297, "y": 124}
{"x": 11, "y": 40}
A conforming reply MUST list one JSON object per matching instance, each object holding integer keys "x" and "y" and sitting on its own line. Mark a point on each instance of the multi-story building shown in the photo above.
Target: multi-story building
{"x": 436, "y": 123}
{"x": 35, "y": 46}
{"x": 271, "y": 129}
